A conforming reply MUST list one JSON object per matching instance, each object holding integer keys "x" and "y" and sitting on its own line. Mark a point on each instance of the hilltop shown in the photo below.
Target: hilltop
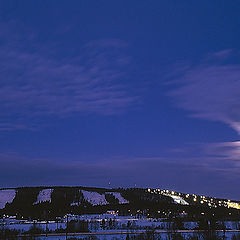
{"x": 51, "y": 202}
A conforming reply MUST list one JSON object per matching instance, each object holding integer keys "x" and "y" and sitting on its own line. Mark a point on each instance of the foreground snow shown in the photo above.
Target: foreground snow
{"x": 119, "y": 231}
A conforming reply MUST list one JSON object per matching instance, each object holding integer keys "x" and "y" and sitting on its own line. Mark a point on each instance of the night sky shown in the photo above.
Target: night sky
{"x": 143, "y": 93}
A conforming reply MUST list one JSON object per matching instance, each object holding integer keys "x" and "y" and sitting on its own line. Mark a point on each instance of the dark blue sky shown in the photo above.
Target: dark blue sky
{"x": 132, "y": 92}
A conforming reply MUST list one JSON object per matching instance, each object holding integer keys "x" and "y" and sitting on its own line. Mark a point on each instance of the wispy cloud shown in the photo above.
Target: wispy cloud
{"x": 229, "y": 151}
{"x": 37, "y": 81}
{"x": 210, "y": 89}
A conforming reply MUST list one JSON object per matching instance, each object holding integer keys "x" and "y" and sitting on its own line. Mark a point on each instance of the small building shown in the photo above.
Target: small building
{"x": 112, "y": 212}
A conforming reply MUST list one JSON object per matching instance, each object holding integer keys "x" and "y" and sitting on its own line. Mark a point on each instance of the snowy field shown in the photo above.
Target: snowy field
{"x": 120, "y": 224}
{"x": 163, "y": 236}
{"x": 95, "y": 223}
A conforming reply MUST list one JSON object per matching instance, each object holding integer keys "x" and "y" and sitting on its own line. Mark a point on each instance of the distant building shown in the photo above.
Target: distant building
{"x": 112, "y": 212}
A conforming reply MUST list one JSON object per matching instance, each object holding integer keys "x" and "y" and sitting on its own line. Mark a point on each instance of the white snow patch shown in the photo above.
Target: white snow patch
{"x": 6, "y": 196}
{"x": 44, "y": 196}
{"x": 118, "y": 196}
{"x": 94, "y": 198}
{"x": 177, "y": 199}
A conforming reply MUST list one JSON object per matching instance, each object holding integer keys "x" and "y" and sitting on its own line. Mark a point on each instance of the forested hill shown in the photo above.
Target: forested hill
{"x": 50, "y": 202}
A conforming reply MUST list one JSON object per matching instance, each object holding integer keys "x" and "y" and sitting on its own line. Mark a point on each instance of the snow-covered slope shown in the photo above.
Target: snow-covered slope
{"x": 6, "y": 196}
{"x": 94, "y": 198}
{"x": 44, "y": 196}
{"x": 177, "y": 199}
{"x": 118, "y": 196}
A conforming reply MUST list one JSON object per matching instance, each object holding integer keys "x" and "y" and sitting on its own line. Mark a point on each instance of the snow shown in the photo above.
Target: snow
{"x": 118, "y": 196}
{"x": 190, "y": 225}
{"x": 44, "y": 196}
{"x": 6, "y": 196}
{"x": 179, "y": 200}
{"x": 94, "y": 221}
{"x": 94, "y": 198}
{"x": 26, "y": 226}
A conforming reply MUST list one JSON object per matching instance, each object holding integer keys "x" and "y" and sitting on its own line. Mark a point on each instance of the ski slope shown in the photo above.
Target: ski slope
{"x": 6, "y": 196}
{"x": 44, "y": 196}
{"x": 94, "y": 198}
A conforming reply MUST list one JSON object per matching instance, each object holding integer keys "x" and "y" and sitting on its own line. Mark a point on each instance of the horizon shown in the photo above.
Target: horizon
{"x": 116, "y": 188}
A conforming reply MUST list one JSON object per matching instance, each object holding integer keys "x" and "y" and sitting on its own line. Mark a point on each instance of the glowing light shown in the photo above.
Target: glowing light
{"x": 233, "y": 205}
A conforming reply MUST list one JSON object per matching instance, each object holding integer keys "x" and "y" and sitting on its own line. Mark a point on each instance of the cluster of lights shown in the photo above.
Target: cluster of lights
{"x": 211, "y": 202}
{"x": 233, "y": 205}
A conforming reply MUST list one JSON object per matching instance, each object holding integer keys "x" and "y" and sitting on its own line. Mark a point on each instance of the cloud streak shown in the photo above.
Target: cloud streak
{"x": 210, "y": 89}
{"x": 229, "y": 151}
{"x": 36, "y": 83}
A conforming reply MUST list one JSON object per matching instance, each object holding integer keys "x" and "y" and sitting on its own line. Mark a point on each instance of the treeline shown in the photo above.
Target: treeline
{"x": 141, "y": 203}
{"x": 24, "y": 204}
